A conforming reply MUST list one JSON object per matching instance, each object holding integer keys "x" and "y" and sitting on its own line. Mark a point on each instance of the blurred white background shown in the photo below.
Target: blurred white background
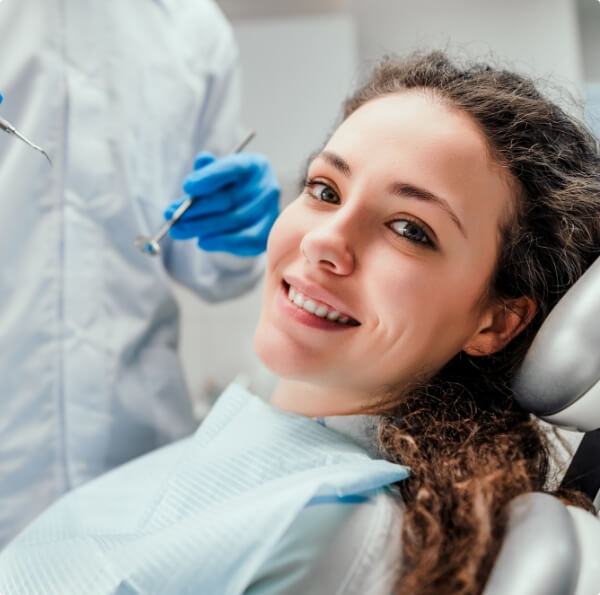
{"x": 300, "y": 59}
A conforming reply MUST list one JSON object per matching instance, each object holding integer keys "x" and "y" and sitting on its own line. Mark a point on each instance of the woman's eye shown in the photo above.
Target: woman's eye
{"x": 411, "y": 231}
{"x": 322, "y": 191}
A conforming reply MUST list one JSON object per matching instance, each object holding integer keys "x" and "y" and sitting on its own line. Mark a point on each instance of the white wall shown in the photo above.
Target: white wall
{"x": 296, "y": 73}
{"x": 536, "y": 36}
{"x": 589, "y": 23}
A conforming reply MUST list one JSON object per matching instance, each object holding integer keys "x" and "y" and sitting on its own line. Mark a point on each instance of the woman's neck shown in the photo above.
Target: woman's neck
{"x": 316, "y": 400}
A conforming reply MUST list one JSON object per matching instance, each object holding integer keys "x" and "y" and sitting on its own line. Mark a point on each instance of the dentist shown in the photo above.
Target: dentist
{"x": 122, "y": 95}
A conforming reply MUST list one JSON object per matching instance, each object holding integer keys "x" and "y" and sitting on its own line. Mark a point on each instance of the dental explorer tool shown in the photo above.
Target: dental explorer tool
{"x": 10, "y": 129}
{"x": 150, "y": 245}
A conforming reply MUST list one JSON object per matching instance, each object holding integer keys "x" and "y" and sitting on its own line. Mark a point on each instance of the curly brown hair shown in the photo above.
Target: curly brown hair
{"x": 470, "y": 447}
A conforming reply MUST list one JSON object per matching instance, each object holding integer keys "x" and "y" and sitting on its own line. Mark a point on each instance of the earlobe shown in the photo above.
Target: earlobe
{"x": 500, "y": 324}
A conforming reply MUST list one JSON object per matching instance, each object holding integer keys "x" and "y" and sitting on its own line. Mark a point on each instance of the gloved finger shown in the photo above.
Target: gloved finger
{"x": 222, "y": 202}
{"x": 249, "y": 242}
{"x": 242, "y": 216}
{"x": 230, "y": 169}
{"x": 1, "y": 98}
{"x": 170, "y": 210}
{"x": 203, "y": 159}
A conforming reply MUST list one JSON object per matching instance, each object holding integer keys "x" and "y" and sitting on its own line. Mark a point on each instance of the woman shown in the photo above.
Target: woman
{"x": 441, "y": 222}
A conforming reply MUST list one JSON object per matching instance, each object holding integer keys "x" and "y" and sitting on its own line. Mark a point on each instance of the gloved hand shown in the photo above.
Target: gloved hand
{"x": 236, "y": 205}
{"x": 1, "y": 97}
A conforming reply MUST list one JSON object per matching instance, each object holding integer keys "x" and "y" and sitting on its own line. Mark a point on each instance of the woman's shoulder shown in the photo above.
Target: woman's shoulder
{"x": 343, "y": 547}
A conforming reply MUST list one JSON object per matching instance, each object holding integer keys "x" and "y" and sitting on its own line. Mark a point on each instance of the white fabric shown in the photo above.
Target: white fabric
{"x": 363, "y": 429}
{"x": 337, "y": 549}
{"x": 201, "y": 516}
{"x": 122, "y": 94}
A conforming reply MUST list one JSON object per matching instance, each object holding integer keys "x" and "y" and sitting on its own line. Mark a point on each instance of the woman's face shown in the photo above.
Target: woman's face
{"x": 397, "y": 230}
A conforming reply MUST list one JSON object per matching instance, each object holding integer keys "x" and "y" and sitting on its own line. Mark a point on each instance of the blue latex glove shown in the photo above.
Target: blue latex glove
{"x": 236, "y": 205}
{"x": 1, "y": 97}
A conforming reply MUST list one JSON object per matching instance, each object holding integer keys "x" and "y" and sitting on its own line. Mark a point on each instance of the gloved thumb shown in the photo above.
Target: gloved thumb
{"x": 202, "y": 159}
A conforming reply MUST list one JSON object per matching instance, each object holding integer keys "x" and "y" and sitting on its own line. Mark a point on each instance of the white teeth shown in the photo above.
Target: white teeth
{"x": 321, "y": 311}
{"x": 309, "y": 306}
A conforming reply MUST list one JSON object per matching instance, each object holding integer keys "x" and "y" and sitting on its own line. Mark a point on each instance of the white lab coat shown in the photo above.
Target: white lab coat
{"x": 122, "y": 94}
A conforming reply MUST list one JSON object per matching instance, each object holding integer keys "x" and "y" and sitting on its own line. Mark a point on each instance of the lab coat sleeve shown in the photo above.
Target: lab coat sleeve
{"x": 216, "y": 276}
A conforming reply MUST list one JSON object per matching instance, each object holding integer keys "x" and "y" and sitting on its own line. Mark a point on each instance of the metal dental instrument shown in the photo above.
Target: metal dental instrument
{"x": 10, "y": 129}
{"x": 150, "y": 245}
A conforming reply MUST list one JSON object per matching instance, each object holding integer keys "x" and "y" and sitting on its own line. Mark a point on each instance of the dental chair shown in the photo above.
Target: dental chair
{"x": 550, "y": 548}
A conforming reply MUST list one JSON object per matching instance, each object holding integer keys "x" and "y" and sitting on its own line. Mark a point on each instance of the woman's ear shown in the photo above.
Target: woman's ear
{"x": 500, "y": 323}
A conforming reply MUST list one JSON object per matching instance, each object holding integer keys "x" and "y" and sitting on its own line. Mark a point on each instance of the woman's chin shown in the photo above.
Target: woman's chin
{"x": 280, "y": 356}
{"x": 272, "y": 356}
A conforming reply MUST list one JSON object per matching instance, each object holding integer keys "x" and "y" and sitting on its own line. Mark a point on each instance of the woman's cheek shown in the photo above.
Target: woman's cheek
{"x": 285, "y": 235}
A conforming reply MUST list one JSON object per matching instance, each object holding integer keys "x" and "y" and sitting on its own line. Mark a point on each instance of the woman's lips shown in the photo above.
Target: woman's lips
{"x": 306, "y": 318}
{"x": 319, "y": 295}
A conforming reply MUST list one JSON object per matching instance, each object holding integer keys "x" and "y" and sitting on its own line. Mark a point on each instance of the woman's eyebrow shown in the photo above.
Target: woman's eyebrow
{"x": 404, "y": 190}
{"x": 401, "y": 189}
{"x": 336, "y": 161}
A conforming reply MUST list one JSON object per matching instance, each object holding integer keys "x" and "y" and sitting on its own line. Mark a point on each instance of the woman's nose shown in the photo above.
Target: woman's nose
{"x": 329, "y": 248}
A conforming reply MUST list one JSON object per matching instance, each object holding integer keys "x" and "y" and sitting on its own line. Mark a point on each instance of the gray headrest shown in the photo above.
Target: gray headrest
{"x": 559, "y": 380}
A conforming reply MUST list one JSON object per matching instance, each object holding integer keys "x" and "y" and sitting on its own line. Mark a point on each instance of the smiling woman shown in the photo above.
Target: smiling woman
{"x": 446, "y": 215}
{"x": 436, "y": 229}
{"x": 399, "y": 226}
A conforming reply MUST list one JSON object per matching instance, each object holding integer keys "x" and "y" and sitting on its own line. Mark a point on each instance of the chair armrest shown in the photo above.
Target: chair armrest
{"x": 540, "y": 552}
{"x": 587, "y": 528}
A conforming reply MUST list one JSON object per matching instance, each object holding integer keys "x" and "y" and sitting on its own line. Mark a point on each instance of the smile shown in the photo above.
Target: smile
{"x": 317, "y": 308}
